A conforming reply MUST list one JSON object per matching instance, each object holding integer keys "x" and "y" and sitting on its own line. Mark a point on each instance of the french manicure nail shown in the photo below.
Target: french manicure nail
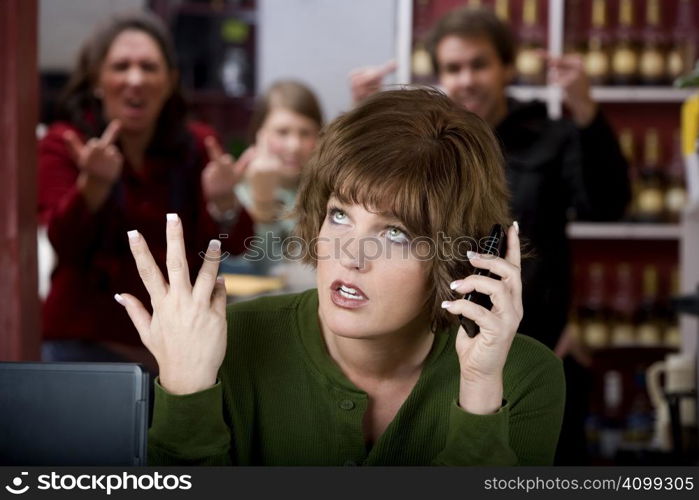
{"x": 121, "y": 300}
{"x": 471, "y": 255}
{"x": 446, "y": 304}
{"x": 454, "y": 284}
{"x": 171, "y": 217}
{"x": 133, "y": 235}
{"x": 516, "y": 225}
{"x": 214, "y": 245}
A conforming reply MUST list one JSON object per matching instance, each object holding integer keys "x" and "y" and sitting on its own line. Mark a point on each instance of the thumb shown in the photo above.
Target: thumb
{"x": 138, "y": 314}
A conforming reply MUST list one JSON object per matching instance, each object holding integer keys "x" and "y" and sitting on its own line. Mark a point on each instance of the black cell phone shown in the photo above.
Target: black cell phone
{"x": 495, "y": 244}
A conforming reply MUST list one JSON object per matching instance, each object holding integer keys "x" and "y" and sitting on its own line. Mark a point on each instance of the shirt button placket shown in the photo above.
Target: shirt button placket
{"x": 346, "y": 404}
{"x": 349, "y": 413}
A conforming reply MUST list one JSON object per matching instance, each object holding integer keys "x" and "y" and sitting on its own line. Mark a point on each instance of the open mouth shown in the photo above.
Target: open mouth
{"x": 347, "y": 294}
{"x": 470, "y": 102}
{"x": 135, "y": 104}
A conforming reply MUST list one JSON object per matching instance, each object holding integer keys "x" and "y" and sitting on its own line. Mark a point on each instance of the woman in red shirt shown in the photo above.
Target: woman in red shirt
{"x": 122, "y": 157}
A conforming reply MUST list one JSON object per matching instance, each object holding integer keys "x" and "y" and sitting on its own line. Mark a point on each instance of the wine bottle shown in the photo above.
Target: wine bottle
{"x": 676, "y": 191}
{"x": 597, "y": 58}
{"x": 622, "y": 327}
{"x": 626, "y": 143}
{"x": 530, "y": 63}
{"x": 502, "y": 10}
{"x": 672, "y": 337}
{"x": 639, "y": 418}
{"x": 593, "y": 316}
{"x": 652, "y": 64}
{"x": 649, "y": 327}
{"x": 612, "y": 429}
{"x": 683, "y": 53}
{"x": 651, "y": 182}
{"x": 421, "y": 62}
{"x": 625, "y": 52}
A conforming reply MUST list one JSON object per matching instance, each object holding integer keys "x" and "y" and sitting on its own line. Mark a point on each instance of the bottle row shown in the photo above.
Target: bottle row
{"x": 630, "y": 421}
{"x": 623, "y": 418}
{"x": 614, "y": 311}
{"x": 625, "y": 53}
{"x": 620, "y": 53}
{"x": 657, "y": 179}
{"x": 623, "y": 42}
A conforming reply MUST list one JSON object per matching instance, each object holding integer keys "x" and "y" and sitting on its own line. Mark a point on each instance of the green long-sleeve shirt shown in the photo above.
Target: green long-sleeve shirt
{"x": 282, "y": 400}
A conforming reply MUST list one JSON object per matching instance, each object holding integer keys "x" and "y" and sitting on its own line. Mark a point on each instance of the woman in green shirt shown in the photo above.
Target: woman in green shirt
{"x": 372, "y": 367}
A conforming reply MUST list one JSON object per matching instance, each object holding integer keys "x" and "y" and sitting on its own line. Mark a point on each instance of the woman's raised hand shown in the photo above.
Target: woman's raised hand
{"x": 99, "y": 159}
{"x": 187, "y": 331}
{"x": 221, "y": 173}
{"x": 264, "y": 159}
{"x": 482, "y": 358}
{"x": 264, "y": 177}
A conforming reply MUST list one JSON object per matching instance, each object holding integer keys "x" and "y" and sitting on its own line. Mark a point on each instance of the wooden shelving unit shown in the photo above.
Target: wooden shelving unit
{"x": 623, "y": 231}
{"x": 213, "y": 28}
{"x": 608, "y": 94}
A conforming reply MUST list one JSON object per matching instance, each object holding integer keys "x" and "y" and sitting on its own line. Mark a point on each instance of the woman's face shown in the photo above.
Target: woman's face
{"x": 370, "y": 285}
{"x": 291, "y": 137}
{"x": 134, "y": 81}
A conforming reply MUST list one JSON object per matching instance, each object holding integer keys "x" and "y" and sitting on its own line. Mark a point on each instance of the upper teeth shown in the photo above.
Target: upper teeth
{"x": 347, "y": 289}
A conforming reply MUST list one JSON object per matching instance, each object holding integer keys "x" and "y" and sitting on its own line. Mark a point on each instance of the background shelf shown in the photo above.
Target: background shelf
{"x": 608, "y": 94}
{"x": 623, "y": 231}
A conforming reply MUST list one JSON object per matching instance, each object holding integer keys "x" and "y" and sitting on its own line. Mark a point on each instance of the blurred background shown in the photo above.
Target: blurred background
{"x": 628, "y": 324}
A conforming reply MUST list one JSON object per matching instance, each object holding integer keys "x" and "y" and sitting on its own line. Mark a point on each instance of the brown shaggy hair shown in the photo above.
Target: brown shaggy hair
{"x": 415, "y": 155}
{"x": 469, "y": 22}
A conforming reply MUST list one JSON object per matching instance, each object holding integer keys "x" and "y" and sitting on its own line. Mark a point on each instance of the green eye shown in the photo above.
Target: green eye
{"x": 337, "y": 216}
{"x": 397, "y": 235}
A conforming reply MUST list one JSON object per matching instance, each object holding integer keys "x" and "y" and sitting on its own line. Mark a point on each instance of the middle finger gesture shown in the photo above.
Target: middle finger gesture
{"x": 222, "y": 173}
{"x": 98, "y": 158}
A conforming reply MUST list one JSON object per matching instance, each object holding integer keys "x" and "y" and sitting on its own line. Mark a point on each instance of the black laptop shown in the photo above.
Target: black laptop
{"x": 73, "y": 414}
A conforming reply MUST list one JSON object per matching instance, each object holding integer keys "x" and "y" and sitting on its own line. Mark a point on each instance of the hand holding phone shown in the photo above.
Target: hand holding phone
{"x": 496, "y": 245}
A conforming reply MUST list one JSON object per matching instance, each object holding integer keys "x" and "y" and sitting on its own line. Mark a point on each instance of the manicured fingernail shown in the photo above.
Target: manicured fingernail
{"x": 133, "y": 235}
{"x": 516, "y": 225}
{"x": 471, "y": 255}
{"x": 221, "y": 279}
{"x": 171, "y": 217}
{"x": 454, "y": 284}
{"x": 214, "y": 245}
{"x": 446, "y": 304}
{"x": 120, "y": 299}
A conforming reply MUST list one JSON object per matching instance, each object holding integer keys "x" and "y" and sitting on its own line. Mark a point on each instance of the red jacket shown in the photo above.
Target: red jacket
{"x": 94, "y": 260}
